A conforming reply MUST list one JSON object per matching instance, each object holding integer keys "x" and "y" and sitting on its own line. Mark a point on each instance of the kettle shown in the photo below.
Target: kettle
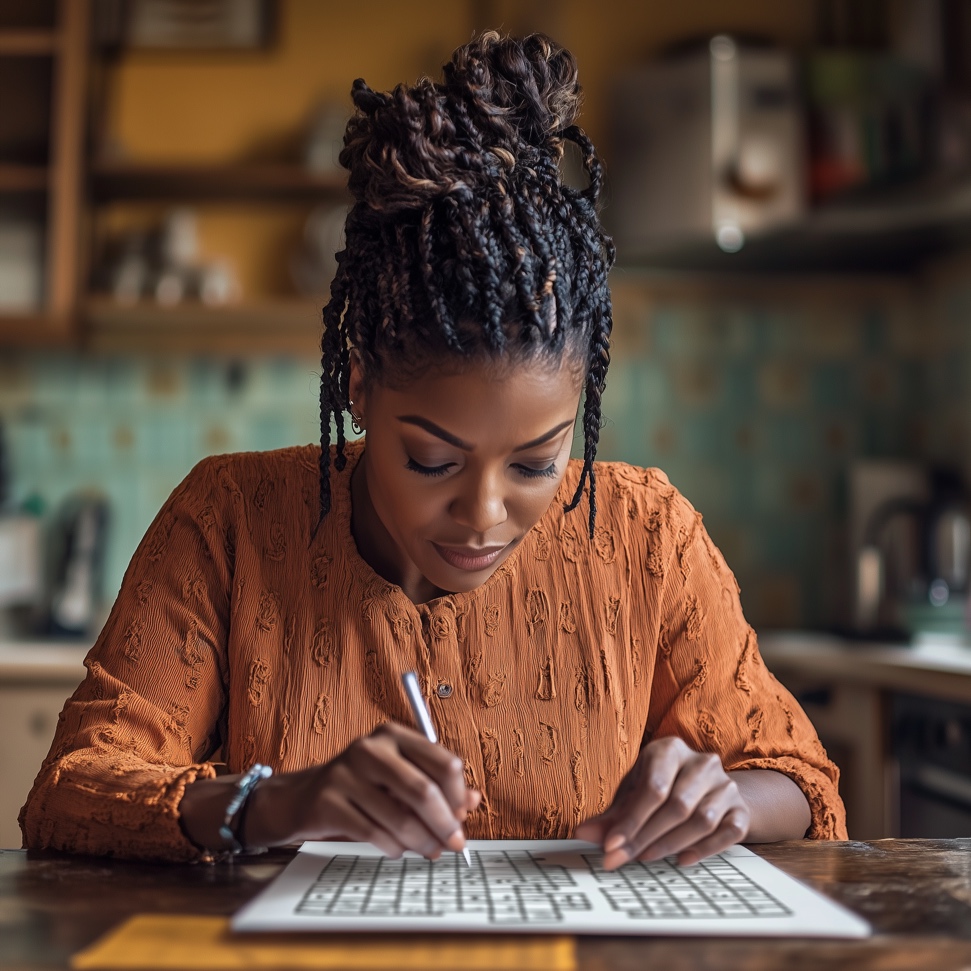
{"x": 930, "y": 591}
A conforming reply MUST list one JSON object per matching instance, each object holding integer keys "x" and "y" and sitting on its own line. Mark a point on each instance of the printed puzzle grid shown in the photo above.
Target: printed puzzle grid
{"x": 519, "y": 887}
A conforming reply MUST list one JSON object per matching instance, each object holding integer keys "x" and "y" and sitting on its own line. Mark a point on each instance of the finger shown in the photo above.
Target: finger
{"x": 395, "y": 819}
{"x": 693, "y": 779}
{"x": 347, "y": 819}
{"x": 382, "y": 765}
{"x": 437, "y": 762}
{"x": 703, "y": 822}
{"x": 733, "y": 829}
{"x": 701, "y": 791}
{"x": 642, "y": 792}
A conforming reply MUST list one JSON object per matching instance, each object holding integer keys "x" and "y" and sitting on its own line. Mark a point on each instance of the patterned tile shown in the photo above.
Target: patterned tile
{"x": 754, "y": 411}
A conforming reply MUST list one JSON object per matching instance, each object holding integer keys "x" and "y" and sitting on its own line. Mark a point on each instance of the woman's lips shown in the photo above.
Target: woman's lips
{"x": 469, "y": 559}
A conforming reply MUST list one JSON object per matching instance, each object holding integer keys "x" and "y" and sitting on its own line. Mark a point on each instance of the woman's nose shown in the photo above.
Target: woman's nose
{"x": 481, "y": 504}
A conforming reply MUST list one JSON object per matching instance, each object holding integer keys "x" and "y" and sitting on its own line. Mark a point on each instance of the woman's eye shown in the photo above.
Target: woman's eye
{"x": 530, "y": 473}
{"x": 431, "y": 470}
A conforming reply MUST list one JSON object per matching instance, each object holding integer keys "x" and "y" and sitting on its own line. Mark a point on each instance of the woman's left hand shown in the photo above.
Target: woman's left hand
{"x": 673, "y": 801}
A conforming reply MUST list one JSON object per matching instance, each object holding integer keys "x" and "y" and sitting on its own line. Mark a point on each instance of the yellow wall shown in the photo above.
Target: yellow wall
{"x": 221, "y": 106}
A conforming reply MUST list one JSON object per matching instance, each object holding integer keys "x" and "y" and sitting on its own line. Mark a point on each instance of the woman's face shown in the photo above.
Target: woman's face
{"x": 458, "y": 467}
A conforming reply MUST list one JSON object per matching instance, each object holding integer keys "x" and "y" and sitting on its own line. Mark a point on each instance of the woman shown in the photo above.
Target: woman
{"x": 588, "y": 675}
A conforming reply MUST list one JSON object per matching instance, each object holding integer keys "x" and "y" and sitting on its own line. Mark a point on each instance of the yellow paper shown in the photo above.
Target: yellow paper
{"x": 177, "y": 941}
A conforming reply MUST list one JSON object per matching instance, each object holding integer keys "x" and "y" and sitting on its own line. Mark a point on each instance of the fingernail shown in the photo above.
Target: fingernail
{"x": 618, "y": 858}
{"x": 456, "y": 841}
{"x": 614, "y": 842}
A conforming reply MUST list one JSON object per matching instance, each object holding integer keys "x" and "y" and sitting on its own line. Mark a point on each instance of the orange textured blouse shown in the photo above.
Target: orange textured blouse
{"x": 235, "y": 633}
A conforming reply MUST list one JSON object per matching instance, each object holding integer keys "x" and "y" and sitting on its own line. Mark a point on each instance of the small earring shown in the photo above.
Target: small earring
{"x": 356, "y": 425}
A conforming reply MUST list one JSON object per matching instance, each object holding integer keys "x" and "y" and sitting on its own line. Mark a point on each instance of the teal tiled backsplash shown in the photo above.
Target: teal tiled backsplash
{"x": 753, "y": 405}
{"x": 132, "y": 427}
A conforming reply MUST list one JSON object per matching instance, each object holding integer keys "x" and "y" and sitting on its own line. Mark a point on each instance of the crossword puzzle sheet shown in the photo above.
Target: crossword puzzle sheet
{"x": 540, "y": 886}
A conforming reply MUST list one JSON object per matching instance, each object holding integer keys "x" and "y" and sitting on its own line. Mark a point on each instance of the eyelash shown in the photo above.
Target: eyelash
{"x": 433, "y": 471}
{"x": 429, "y": 470}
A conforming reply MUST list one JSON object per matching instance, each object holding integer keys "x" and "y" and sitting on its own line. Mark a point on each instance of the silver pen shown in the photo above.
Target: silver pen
{"x": 410, "y": 680}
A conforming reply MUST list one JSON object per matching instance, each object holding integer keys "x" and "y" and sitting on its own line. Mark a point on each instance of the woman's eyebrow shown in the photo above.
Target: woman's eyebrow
{"x": 445, "y": 436}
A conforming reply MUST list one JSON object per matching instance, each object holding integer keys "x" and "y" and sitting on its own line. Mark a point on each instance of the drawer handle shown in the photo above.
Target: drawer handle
{"x": 821, "y": 697}
{"x": 943, "y": 783}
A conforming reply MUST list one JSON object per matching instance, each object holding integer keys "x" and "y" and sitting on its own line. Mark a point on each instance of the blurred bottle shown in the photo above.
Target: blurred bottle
{"x": 870, "y": 121}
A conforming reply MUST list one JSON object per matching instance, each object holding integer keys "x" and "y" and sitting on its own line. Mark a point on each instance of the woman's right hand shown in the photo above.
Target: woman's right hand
{"x": 392, "y": 788}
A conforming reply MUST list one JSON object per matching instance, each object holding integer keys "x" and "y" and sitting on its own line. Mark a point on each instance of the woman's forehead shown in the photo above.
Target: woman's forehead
{"x": 482, "y": 405}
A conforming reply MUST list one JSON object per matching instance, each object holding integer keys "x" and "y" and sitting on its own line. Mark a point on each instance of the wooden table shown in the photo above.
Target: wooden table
{"x": 915, "y": 893}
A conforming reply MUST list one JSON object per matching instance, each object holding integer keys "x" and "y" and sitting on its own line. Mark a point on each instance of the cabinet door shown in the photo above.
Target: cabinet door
{"x": 852, "y": 725}
{"x": 28, "y": 717}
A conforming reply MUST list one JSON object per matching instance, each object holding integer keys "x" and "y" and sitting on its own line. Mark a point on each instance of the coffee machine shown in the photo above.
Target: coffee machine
{"x": 912, "y": 553}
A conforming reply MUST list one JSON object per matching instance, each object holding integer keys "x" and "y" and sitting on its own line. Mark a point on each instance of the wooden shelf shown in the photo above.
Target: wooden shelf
{"x": 238, "y": 182}
{"x": 38, "y": 329}
{"x": 284, "y": 326}
{"x": 28, "y": 43}
{"x": 23, "y": 178}
{"x": 895, "y": 233}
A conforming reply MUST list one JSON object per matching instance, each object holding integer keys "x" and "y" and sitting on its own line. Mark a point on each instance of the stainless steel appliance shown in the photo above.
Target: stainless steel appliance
{"x": 917, "y": 578}
{"x": 706, "y": 144}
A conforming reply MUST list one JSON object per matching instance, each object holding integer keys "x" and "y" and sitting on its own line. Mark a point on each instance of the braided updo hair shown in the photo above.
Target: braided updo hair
{"x": 463, "y": 242}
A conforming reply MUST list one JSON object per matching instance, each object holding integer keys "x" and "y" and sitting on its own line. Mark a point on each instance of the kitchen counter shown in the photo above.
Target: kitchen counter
{"x": 844, "y": 686}
{"x": 849, "y": 690}
{"x": 36, "y": 678}
{"x": 55, "y": 661}
{"x": 941, "y": 669}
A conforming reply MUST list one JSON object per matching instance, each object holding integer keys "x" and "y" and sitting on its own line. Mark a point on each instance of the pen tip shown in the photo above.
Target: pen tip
{"x": 468, "y": 859}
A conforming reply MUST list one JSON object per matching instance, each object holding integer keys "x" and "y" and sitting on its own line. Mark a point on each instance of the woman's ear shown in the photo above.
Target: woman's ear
{"x": 356, "y": 394}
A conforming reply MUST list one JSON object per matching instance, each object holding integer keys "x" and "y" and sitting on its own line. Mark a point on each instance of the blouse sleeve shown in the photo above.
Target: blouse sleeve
{"x": 712, "y": 688}
{"x": 141, "y": 725}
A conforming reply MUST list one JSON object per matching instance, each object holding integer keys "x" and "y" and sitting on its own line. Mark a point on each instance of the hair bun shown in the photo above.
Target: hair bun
{"x": 529, "y": 85}
{"x": 502, "y": 102}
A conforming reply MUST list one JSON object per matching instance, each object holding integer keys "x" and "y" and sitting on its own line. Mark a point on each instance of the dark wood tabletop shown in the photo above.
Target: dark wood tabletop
{"x": 915, "y": 893}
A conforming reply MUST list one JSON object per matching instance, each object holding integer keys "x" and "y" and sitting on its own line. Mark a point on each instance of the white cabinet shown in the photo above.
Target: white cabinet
{"x": 851, "y": 722}
{"x": 35, "y": 681}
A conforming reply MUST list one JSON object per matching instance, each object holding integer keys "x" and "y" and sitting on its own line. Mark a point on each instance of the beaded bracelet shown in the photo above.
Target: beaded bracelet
{"x": 230, "y": 829}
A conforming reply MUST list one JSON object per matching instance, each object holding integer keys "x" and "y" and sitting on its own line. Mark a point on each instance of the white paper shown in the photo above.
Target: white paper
{"x": 540, "y": 886}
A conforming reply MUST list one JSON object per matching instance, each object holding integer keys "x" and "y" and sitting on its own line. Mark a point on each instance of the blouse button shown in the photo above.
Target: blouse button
{"x": 444, "y": 689}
